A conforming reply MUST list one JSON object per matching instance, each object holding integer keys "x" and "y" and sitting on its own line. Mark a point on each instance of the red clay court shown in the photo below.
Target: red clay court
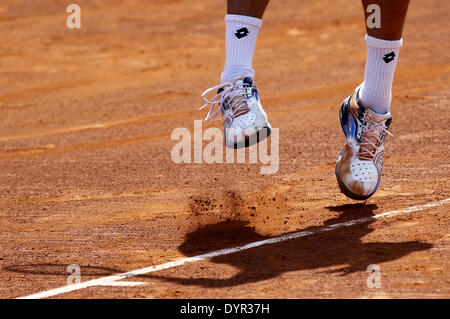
{"x": 86, "y": 175}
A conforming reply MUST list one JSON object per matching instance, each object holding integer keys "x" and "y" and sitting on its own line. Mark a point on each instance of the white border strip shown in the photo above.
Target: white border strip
{"x": 112, "y": 280}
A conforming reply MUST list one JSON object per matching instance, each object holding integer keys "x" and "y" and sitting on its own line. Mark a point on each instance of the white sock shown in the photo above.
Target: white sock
{"x": 376, "y": 91}
{"x": 241, "y": 35}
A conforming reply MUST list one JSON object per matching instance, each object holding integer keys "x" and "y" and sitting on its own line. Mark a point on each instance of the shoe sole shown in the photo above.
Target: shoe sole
{"x": 341, "y": 184}
{"x": 248, "y": 141}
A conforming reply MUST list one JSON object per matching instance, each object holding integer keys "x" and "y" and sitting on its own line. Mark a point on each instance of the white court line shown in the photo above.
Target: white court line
{"x": 110, "y": 280}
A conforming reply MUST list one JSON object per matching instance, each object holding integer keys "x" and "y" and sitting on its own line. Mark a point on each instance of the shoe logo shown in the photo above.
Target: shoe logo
{"x": 389, "y": 57}
{"x": 242, "y": 32}
{"x": 248, "y": 92}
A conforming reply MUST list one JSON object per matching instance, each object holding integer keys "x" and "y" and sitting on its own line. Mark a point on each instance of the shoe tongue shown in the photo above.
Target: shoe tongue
{"x": 243, "y": 81}
{"x": 377, "y": 117}
{"x": 238, "y": 81}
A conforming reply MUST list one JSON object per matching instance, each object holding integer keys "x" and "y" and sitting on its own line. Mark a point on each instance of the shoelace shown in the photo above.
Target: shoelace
{"x": 372, "y": 138}
{"x": 236, "y": 98}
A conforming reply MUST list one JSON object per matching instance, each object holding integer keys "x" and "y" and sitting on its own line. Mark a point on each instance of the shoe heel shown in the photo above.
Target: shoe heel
{"x": 343, "y": 116}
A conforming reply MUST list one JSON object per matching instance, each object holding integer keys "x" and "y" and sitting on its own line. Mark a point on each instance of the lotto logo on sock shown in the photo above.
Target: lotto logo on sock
{"x": 389, "y": 57}
{"x": 242, "y": 32}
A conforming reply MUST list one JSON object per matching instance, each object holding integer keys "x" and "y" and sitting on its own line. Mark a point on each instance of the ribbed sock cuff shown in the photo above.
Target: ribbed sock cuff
{"x": 383, "y": 44}
{"x": 255, "y": 22}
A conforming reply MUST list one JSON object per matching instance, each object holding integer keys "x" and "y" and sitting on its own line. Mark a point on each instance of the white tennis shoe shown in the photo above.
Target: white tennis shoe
{"x": 244, "y": 119}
